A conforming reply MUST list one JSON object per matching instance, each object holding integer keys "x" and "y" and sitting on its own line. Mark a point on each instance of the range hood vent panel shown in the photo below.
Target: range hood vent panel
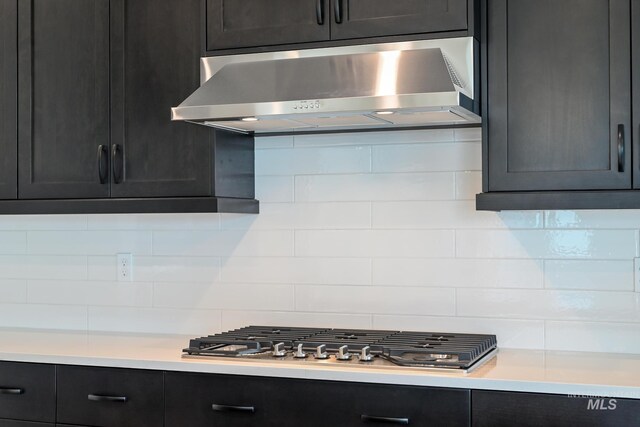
{"x": 309, "y": 88}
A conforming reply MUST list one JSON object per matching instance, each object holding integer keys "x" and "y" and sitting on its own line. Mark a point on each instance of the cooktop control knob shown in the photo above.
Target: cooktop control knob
{"x": 321, "y": 352}
{"x": 343, "y": 353}
{"x": 365, "y": 354}
{"x": 278, "y": 350}
{"x": 300, "y": 354}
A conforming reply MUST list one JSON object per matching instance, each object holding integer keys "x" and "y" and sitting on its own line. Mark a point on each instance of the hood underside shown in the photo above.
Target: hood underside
{"x": 404, "y": 84}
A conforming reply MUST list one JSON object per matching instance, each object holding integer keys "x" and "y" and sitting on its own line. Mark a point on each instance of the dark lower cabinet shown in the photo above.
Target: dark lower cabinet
{"x": 506, "y": 409}
{"x": 109, "y": 397}
{"x": 63, "y": 96}
{"x": 8, "y": 99}
{"x": 27, "y": 392}
{"x": 233, "y": 401}
{"x": 17, "y": 423}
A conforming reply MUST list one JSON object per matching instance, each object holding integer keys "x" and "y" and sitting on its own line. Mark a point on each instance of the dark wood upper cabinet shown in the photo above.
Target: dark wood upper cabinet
{"x": 246, "y": 23}
{"x": 155, "y": 53}
{"x": 63, "y": 94}
{"x": 372, "y": 18}
{"x": 558, "y": 95}
{"x": 8, "y": 99}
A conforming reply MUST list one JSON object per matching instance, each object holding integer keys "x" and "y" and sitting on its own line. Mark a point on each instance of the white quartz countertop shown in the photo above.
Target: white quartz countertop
{"x": 578, "y": 373}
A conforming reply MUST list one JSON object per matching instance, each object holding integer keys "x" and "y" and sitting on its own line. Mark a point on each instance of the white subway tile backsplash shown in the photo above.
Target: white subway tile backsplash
{"x": 232, "y": 319}
{"x": 154, "y": 320}
{"x": 527, "y": 334}
{"x": 89, "y": 293}
{"x": 376, "y": 300}
{"x": 284, "y": 216}
{"x": 219, "y": 296}
{"x": 589, "y": 275}
{"x": 462, "y": 273}
{"x": 330, "y": 271}
{"x": 44, "y": 316}
{"x": 448, "y": 214}
{"x": 89, "y": 242}
{"x": 468, "y": 184}
{"x": 313, "y": 160}
{"x": 438, "y": 157}
{"x": 375, "y": 187}
{"x": 195, "y": 221}
{"x": 593, "y": 336}
{"x": 375, "y": 243}
{"x": 13, "y": 242}
{"x": 223, "y": 243}
{"x": 13, "y": 291}
{"x": 360, "y": 230}
{"x": 43, "y": 267}
{"x": 274, "y": 189}
{"x": 549, "y": 304}
{"x": 375, "y": 138}
{"x": 589, "y": 244}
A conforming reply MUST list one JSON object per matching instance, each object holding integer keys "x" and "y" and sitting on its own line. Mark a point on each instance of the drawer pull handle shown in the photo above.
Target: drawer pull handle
{"x": 385, "y": 420}
{"x": 10, "y": 390}
{"x": 231, "y": 408}
{"x": 102, "y": 398}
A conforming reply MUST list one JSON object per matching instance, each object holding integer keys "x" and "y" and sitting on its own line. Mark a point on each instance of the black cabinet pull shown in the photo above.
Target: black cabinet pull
{"x": 103, "y": 398}
{"x": 11, "y": 390}
{"x": 621, "y": 156}
{"x": 102, "y": 163}
{"x": 118, "y": 163}
{"x": 384, "y": 420}
{"x": 338, "y": 11}
{"x": 231, "y": 408}
{"x": 320, "y": 11}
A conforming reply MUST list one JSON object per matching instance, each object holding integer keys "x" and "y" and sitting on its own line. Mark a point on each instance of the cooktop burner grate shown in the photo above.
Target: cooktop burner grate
{"x": 404, "y": 348}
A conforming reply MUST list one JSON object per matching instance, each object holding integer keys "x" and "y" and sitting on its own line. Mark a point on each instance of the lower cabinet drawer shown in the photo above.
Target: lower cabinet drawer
{"x": 214, "y": 400}
{"x": 505, "y": 409}
{"x": 107, "y": 397}
{"x": 27, "y": 392}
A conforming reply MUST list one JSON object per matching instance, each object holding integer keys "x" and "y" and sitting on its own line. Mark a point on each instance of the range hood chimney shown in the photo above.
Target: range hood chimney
{"x": 420, "y": 83}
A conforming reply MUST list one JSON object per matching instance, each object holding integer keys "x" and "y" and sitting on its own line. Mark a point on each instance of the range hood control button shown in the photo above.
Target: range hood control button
{"x": 321, "y": 352}
{"x": 343, "y": 353}
{"x": 365, "y": 354}
{"x": 278, "y": 350}
{"x": 300, "y": 354}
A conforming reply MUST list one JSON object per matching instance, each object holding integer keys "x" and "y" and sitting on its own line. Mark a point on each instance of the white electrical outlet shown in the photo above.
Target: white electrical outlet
{"x": 636, "y": 273}
{"x": 125, "y": 268}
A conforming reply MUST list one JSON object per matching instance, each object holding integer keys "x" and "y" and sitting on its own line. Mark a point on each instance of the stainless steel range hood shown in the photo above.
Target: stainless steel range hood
{"x": 421, "y": 83}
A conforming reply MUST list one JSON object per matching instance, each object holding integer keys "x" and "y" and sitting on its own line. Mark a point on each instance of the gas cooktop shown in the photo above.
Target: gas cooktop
{"x": 349, "y": 346}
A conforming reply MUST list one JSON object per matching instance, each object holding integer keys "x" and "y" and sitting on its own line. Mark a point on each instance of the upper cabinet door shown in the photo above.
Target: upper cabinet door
{"x": 8, "y": 99}
{"x": 371, "y": 18}
{"x": 63, "y": 112}
{"x": 155, "y": 54}
{"x": 248, "y": 23}
{"x": 557, "y": 104}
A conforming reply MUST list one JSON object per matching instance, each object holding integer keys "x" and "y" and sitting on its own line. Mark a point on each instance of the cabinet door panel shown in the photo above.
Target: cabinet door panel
{"x": 370, "y": 18}
{"x": 63, "y": 97}
{"x": 36, "y": 399}
{"x": 558, "y": 94}
{"x": 155, "y": 66}
{"x": 247, "y": 23}
{"x": 8, "y": 99}
{"x": 635, "y": 66}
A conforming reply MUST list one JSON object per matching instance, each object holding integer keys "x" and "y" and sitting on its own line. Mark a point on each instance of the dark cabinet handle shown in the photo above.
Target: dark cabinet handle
{"x": 320, "y": 11}
{"x": 621, "y": 156}
{"x": 11, "y": 390}
{"x": 118, "y": 163}
{"x": 103, "y": 398}
{"x": 337, "y": 9}
{"x": 384, "y": 420}
{"x": 102, "y": 163}
{"x": 231, "y": 408}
